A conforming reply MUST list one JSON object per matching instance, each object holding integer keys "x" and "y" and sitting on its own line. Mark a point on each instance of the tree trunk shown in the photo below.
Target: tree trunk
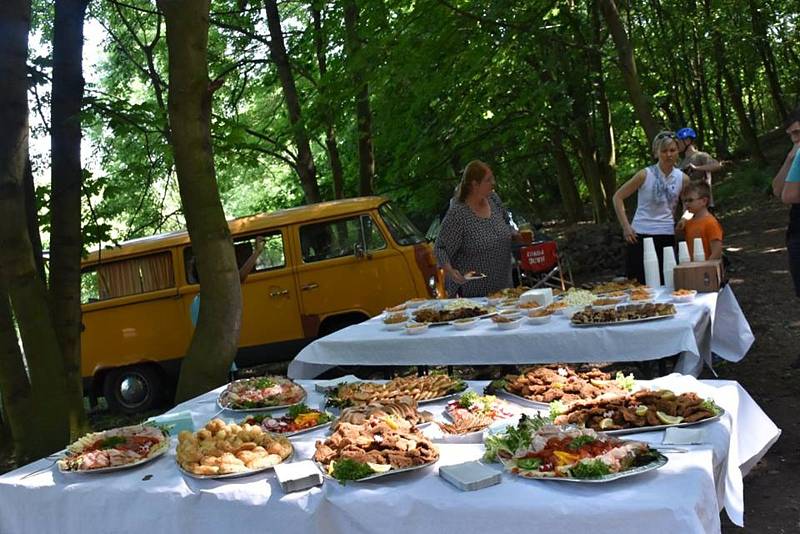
{"x": 25, "y": 287}
{"x": 15, "y": 387}
{"x": 608, "y": 149}
{"x": 628, "y": 66}
{"x": 65, "y": 201}
{"x": 353, "y": 48}
{"x": 767, "y": 57}
{"x": 566, "y": 179}
{"x": 213, "y": 346}
{"x": 32, "y": 219}
{"x": 337, "y": 172}
{"x": 735, "y": 93}
{"x": 277, "y": 51}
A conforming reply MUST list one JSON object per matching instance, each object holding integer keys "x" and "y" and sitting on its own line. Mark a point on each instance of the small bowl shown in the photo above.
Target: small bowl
{"x": 504, "y": 307}
{"x": 684, "y": 298}
{"x": 510, "y": 313}
{"x": 414, "y": 329}
{"x": 394, "y": 326}
{"x": 539, "y": 320}
{"x": 528, "y": 306}
{"x": 465, "y": 324}
{"x": 510, "y": 325}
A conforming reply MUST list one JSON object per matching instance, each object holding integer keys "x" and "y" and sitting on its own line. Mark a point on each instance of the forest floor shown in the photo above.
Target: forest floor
{"x": 754, "y": 240}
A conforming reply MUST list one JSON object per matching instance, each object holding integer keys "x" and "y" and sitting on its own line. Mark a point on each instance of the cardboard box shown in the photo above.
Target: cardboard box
{"x": 704, "y": 276}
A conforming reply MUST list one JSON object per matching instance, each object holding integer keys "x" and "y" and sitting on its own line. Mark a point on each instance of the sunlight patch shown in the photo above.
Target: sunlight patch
{"x": 773, "y": 250}
{"x": 779, "y": 272}
{"x": 735, "y": 281}
{"x": 734, "y": 249}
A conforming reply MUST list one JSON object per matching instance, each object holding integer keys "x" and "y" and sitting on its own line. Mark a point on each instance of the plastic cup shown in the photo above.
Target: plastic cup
{"x": 683, "y": 252}
{"x": 649, "y": 248}
{"x": 698, "y": 252}
{"x": 669, "y": 267}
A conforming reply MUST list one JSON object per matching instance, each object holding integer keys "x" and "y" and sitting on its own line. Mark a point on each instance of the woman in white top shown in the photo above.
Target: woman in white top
{"x": 658, "y": 189}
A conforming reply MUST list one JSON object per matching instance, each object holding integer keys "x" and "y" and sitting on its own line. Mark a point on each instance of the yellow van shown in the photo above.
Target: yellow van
{"x": 323, "y": 267}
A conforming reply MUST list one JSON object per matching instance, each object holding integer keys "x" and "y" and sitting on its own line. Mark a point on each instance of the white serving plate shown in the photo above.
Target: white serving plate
{"x": 376, "y": 475}
{"x": 415, "y": 329}
{"x": 392, "y": 327}
{"x": 684, "y": 299}
{"x": 660, "y": 461}
{"x": 233, "y": 475}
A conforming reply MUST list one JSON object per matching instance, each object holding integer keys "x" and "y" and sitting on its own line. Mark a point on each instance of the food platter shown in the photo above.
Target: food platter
{"x": 618, "y": 323}
{"x": 376, "y": 475}
{"x": 279, "y": 381}
{"x": 477, "y": 317}
{"x": 233, "y": 475}
{"x": 113, "y": 467}
{"x": 523, "y": 400}
{"x": 113, "y": 450}
{"x": 658, "y": 462}
{"x": 638, "y": 429}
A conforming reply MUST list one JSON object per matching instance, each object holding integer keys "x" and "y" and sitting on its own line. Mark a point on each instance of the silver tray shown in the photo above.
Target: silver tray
{"x": 660, "y": 461}
{"x": 376, "y": 475}
{"x": 617, "y": 323}
{"x": 443, "y": 323}
{"x": 233, "y": 475}
{"x": 298, "y": 432}
{"x": 261, "y": 408}
{"x": 525, "y": 401}
{"x": 113, "y": 467}
{"x": 419, "y": 402}
{"x": 636, "y": 430}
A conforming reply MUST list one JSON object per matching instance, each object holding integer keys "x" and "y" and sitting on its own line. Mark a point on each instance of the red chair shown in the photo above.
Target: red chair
{"x": 540, "y": 263}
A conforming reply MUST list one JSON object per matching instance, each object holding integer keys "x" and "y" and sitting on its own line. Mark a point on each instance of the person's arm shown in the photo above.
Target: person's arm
{"x": 716, "y": 249}
{"x": 248, "y": 265}
{"x": 791, "y": 185}
{"x": 626, "y": 190}
{"x": 451, "y": 235}
{"x": 709, "y": 165}
{"x": 780, "y": 178}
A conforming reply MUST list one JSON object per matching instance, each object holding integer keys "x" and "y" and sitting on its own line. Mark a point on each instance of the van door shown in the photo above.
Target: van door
{"x": 270, "y": 307}
{"x": 348, "y": 265}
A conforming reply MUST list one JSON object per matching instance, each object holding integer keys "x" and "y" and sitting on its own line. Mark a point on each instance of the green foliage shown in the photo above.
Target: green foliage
{"x": 448, "y": 82}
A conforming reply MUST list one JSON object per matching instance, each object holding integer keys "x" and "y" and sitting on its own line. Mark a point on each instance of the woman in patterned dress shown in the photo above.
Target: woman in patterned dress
{"x": 476, "y": 236}
{"x": 658, "y": 189}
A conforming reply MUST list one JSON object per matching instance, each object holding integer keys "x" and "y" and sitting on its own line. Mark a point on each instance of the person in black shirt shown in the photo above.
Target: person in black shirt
{"x": 786, "y": 186}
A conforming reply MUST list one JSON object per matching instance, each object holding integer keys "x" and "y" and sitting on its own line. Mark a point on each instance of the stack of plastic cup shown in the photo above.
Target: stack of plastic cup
{"x": 698, "y": 252}
{"x": 669, "y": 267}
{"x": 651, "y": 275}
{"x": 683, "y": 253}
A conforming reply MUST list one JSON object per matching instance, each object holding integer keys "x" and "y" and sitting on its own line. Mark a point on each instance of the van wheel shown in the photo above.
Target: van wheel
{"x": 133, "y": 389}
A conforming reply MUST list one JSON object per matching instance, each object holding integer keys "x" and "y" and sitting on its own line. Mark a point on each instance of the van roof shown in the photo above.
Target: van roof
{"x": 250, "y": 223}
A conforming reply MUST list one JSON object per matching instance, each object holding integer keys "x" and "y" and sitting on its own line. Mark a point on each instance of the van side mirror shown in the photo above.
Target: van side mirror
{"x": 358, "y": 251}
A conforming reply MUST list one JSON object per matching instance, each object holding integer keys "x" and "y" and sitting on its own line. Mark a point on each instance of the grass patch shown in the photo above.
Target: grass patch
{"x": 745, "y": 179}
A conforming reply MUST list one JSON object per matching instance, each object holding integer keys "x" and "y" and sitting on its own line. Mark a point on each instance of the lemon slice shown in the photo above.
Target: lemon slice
{"x": 379, "y": 468}
{"x": 641, "y": 410}
{"x": 667, "y": 394}
{"x": 606, "y": 423}
{"x": 669, "y": 419}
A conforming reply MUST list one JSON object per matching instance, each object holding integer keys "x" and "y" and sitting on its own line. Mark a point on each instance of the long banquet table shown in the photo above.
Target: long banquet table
{"x": 685, "y": 496}
{"x": 713, "y": 323}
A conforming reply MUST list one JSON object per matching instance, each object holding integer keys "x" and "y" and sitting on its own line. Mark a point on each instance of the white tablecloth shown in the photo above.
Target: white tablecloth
{"x": 689, "y": 334}
{"x": 684, "y": 496}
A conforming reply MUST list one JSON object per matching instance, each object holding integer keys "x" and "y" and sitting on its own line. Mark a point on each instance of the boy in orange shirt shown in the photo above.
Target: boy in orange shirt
{"x": 696, "y": 197}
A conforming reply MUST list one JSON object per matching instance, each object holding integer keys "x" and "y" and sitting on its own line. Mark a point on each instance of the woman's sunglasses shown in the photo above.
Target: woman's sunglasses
{"x": 666, "y": 135}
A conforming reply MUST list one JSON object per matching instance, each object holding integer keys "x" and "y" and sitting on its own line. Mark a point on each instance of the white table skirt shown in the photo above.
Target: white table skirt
{"x": 684, "y": 496}
{"x": 688, "y": 334}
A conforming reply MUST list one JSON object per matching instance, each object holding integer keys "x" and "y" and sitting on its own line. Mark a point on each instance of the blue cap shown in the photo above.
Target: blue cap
{"x": 686, "y": 133}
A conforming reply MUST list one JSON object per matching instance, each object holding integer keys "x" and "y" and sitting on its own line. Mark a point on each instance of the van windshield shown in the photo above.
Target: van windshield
{"x": 402, "y": 229}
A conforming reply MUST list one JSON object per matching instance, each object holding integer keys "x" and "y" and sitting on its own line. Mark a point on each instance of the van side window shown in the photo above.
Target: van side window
{"x": 336, "y": 239}
{"x": 127, "y": 277}
{"x": 272, "y": 257}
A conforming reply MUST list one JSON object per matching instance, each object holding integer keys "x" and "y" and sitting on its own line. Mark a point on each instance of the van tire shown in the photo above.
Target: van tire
{"x": 133, "y": 389}
{"x": 337, "y": 322}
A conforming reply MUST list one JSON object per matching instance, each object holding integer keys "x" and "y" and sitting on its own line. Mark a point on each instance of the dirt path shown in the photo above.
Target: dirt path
{"x": 754, "y": 235}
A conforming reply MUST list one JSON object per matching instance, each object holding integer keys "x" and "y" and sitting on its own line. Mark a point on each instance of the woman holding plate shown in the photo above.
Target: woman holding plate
{"x": 474, "y": 243}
